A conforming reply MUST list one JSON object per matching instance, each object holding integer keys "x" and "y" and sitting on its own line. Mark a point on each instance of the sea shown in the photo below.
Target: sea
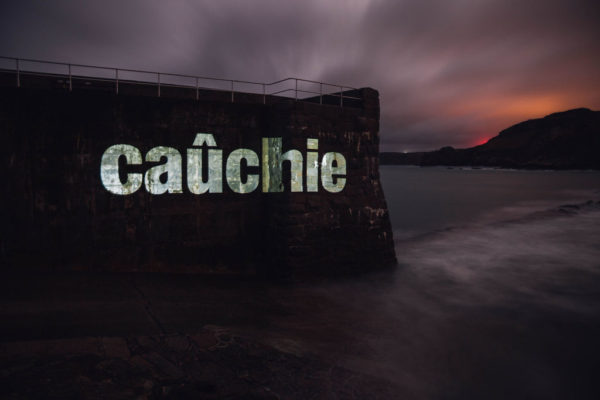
{"x": 496, "y": 294}
{"x": 426, "y": 199}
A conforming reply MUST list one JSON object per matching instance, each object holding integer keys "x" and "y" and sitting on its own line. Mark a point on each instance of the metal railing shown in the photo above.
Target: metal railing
{"x": 299, "y": 91}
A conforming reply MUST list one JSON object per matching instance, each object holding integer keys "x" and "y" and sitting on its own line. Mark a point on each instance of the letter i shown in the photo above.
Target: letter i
{"x": 312, "y": 165}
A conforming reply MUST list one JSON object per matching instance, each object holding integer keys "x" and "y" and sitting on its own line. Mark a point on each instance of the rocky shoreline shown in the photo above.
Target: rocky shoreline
{"x": 212, "y": 363}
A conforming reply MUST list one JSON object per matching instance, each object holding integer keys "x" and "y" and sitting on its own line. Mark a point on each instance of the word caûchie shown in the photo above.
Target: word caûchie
{"x": 168, "y": 177}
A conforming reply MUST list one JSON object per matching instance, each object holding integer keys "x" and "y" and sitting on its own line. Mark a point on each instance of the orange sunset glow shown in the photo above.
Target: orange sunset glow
{"x": 498, "y": 113}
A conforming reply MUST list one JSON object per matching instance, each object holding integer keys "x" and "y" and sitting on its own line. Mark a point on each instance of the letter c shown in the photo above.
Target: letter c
{"x": 234, "y": 179}
{"x": 109, "y": 169}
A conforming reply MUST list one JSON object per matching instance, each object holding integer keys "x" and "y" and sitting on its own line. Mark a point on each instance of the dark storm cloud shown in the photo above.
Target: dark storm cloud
{"x": 449, "y": 72}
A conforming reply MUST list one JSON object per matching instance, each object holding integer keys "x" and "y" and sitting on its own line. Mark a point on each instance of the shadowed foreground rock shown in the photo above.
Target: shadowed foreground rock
{"x": 210, "y": 364}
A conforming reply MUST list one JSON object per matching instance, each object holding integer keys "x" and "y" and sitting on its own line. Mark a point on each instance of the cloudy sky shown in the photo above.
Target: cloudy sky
{"x": 448, "y": 72}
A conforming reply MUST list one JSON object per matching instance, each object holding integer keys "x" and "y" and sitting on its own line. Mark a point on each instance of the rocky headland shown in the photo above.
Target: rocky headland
{"x": 563, "y": 140}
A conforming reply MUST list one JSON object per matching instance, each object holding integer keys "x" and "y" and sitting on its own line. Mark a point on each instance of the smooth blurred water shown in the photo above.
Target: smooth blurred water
{"x": 493, "y": 297}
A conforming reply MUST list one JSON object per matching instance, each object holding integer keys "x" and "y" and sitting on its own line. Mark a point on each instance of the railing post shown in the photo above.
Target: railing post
{"x": 186, "y": 86}
{"x": 320, "y": 92}
{"x": 18, "y": 73}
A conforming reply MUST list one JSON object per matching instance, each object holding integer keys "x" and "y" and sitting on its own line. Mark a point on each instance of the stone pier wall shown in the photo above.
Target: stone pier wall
{"x": 57, "y": 215}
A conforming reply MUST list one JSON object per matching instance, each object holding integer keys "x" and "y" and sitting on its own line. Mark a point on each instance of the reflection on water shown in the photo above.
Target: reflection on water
{"x": 486, "y": 309}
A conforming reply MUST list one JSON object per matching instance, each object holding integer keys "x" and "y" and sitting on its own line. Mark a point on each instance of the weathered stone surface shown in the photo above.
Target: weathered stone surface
{"x": 57, "y": 214}
{"x": 211, "y": 364}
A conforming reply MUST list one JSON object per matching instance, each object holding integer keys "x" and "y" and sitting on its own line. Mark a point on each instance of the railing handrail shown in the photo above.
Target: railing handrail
{"x": 116, "y": 79}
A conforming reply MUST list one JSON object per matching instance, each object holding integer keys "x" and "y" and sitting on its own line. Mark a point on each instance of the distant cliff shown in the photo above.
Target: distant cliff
{"x": 563, "y": 140}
